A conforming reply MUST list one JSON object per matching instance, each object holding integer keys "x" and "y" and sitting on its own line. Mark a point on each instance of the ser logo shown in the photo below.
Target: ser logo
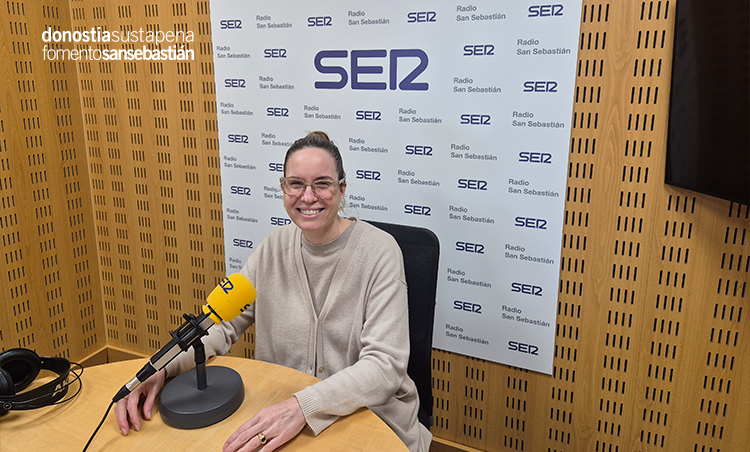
{"x": 407, "y": 83}
{"x": 469, "y": 247}
{"x": 414, "y": 149}
{"x": 242, "y": 243}
{"x": 363, "y": 115}
{"x": 545, "y": 10}
{"x": 523, "y": 348}
{"x": 476, "y": 120}
{"x": 235, "y": 138}
{"x": 467, "y": 306}
{"x": 368, "y": 175}
{"x": 278, "y": 112}
{"x": 319, "y": 21}
{"x": 279, "y": 221}
{"x": 274, "y": 53}
{"x": 540, "y": 86}
{"x": 479, "y": 50}
{"x": 534, "y": 157}
{"x": 526, "y": 289}
{"x": 418, "y": 210}
{"x": 276, "y": 167}
{"x": 421, "y": 16}
{"x": 235, "y": 24}
{"x": 531, "y": 223}
{"x": 239, "y": 190}
{"x": 472, "y": 184}
{"x": 234, "y": 83}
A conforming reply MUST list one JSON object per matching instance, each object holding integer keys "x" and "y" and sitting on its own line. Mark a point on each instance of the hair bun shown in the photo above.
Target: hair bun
{"x": 319, "y": 134}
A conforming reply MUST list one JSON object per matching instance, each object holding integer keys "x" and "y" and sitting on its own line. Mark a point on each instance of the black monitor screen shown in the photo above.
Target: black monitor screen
{"x": 708, "y": 146}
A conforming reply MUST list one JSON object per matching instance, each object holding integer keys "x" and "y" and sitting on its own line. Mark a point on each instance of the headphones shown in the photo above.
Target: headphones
{"x": 19, "y": 367}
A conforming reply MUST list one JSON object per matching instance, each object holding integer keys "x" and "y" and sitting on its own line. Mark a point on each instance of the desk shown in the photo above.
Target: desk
{"x": 68, "y": 426}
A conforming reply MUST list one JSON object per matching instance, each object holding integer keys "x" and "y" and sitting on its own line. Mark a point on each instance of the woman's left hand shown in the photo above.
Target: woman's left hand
{"x": 277, "y": 424}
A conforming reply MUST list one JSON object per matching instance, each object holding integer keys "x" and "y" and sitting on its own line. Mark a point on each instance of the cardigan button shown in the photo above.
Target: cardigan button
{"x": 321, "y": 369}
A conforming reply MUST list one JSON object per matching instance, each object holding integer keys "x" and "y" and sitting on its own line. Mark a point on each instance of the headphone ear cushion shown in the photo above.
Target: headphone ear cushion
{"x": 6, "y": 390}
{"x": 6, "y": 384}
{"x": 22, "y": 366}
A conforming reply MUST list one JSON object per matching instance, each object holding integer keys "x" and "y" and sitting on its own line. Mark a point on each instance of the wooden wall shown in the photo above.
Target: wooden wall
{"x": 111, "y": 228}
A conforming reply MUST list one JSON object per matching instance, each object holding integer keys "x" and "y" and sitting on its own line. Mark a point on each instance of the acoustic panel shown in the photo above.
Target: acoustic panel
{"x": 651, "y": 347}
{"x": 51, "y": 291}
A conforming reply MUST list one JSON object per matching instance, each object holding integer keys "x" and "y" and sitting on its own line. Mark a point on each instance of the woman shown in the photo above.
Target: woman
{"x": 331, "y": 302}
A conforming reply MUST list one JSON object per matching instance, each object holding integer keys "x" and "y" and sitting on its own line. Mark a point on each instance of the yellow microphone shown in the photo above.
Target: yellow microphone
{"x": 230, "y": 298}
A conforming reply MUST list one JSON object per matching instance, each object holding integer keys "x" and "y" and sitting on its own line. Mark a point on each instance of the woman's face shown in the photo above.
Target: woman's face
{"x": 317, "y": 218}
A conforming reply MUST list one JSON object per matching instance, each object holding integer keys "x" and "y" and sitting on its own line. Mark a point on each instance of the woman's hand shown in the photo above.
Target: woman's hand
{"x": 277, "y": 424}
{"x": 126, "y": 410}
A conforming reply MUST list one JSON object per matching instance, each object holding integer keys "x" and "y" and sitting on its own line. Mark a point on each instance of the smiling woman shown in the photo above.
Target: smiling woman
{"x": 315, "y": 158}
{"x": 331, "y": 302}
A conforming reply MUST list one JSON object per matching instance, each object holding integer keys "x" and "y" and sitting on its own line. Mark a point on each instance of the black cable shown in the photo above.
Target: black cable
{"x": 99, "y": 426}
{"x": 30, "y": 405}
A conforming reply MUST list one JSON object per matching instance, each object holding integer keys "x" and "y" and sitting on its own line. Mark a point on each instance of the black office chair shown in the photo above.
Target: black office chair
{"x": 421, "y": 250}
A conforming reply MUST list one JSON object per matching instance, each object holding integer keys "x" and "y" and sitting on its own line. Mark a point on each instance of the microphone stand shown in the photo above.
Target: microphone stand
{"x": 190, "y": 401}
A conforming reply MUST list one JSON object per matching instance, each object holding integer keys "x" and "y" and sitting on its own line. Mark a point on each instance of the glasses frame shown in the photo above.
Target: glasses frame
{"x": 338, "y": 185}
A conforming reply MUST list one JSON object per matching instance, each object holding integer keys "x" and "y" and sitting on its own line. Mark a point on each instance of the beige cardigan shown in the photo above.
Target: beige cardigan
{"x": 358, "y": 345}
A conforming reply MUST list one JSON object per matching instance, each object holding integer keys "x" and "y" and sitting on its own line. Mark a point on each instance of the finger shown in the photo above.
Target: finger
{"x": 243, "y": 434}
{"x": 148, "y": 404}
{"x": 122, "y": 416}
{"x": 132, "y": 407}
{"x": 244, "y": 439}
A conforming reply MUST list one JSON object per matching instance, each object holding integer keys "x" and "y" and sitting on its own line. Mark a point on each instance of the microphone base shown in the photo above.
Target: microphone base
{"x": 184, "y": 406}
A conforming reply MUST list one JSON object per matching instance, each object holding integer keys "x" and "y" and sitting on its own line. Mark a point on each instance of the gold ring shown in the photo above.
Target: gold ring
{"x": 262, "y": 438}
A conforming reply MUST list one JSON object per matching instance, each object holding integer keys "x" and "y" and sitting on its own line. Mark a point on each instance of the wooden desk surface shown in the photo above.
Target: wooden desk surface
{"x": 67, "y": 427}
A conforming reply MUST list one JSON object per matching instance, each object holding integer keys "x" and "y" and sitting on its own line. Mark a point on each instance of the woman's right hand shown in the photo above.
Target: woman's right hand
{"x": 126, "y": 409}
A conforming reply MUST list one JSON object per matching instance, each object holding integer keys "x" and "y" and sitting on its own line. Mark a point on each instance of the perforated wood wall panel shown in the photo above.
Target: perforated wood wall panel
{"x": 50, "y": 289}
{"x": 652, "y": 332}
{"x": 114, "y": 168}
{"x": 155, "y": 171}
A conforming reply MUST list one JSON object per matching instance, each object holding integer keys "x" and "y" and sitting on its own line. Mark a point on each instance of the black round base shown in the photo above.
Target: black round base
{"x": 184, "y": 406}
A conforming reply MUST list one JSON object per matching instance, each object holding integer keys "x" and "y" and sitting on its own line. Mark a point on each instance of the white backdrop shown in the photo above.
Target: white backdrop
{"x": 451, "y": 116}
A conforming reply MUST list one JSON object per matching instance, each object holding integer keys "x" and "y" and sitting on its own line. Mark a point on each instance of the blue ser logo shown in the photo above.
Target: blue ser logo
{"x": 545, "y": 10}
{"x": 472, "y": 184}
{"x": 235, "y": 138}
{"x": 234, "y": 83}
{"x": 235, "y": 24}
{"x": 479, "y": 50}
{"x": 421, "y": 16}
{"x": 367, "y": 115}
{"x": 476, "y": 120}
{"x": 274, "y": 53}
{"x": 531, "y": 223}
{"x": 469, "y": 247}
{"x": 415, "y": 149}
{"x": 357, "y": 68}
{"x": 242, "y": 243}
{"x": 277, "y": 111}
{"x": 239, "y": 190}
{"x": 368, "y": 175}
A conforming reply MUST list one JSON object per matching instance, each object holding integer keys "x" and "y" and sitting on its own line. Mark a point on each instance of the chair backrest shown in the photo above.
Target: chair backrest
{"x": 421, "y": 250}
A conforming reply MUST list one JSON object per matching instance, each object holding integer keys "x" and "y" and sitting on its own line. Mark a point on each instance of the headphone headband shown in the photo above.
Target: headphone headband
{"x": 22, "y": 366}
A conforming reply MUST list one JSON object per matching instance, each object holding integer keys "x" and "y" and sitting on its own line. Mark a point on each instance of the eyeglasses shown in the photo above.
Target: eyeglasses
{"x": 323, "y": 188}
